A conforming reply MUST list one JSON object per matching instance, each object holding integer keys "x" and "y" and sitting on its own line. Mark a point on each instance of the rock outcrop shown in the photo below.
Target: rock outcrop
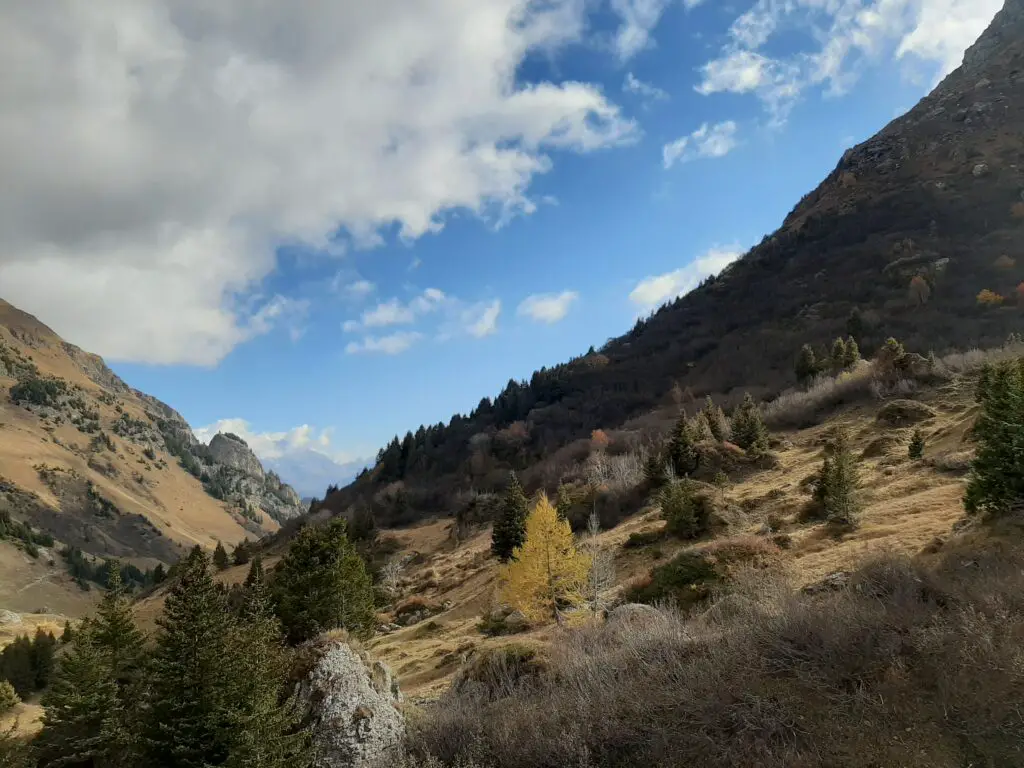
{"x": 353, "y": 707}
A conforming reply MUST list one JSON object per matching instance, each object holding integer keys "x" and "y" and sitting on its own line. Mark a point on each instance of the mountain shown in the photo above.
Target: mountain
{"x": 918, "y": 234}
{"x": 311, "y": 472}
{"x": 87, "y": 462}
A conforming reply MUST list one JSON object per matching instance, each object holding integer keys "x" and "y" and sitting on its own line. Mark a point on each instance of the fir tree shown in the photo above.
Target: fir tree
{"x": 265, "y": 732}
{"x": 748, "y": 429}
{"x": 83, "y": 720}
{"x": 322, "y": 584}
{"x": 852, "y": 353}
{"x": 838, "y": 356}
{"x": 116, "y": 635}
{"x": 242, "y": 553}
{"x": 682, "y": 449}
{"x": 855, "y": 325}
{"x": 686, "y": 513}
{"x": 996, "y": 485}
{"x": 159, "y": 574}
{"x": 916, "y": 448}
{"x": 717, "y": 423}
{"x": 806, "y": 364}
{"x": 509, "y": 530}
{"x": 836, "y": 491}
{"x": 44, "y": 648}
{"x": 220, "y": 557}
{"x": 547, "y": 574}
{"x": 16, "y": 666}
{"x": 655, "y": 470}
{"x": 9, "y": 698}
{"x": 68, "y": 634}
{"x": 190, "y": 682}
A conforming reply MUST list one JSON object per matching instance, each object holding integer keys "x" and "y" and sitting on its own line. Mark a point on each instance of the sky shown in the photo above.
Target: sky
{"x": 321, "y": 224}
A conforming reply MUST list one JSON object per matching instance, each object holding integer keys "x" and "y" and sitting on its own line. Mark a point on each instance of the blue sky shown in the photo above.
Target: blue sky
{"x": 322, "y": 227}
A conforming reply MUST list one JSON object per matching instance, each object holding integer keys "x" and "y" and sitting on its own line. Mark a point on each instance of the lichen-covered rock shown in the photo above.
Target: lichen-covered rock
{"x": 352, "y": 703}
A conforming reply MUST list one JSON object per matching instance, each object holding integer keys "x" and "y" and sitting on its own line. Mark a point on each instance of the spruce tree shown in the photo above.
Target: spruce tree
{"x": 806, "y": 364}
{"x": 682, "y": 449}
{"x": 159, "y": 573}
{"x": 83, "y": 720}
{"x": 322, "y": 584}
{"x": 996, "y": 485}
{"x": 9, "y": 698}
{"x": 16, "y": 666}
{"x": 748, "y": 429}
{"x": 242, "y": 553}
{"x": 190, "y": 680}
{"x": 655, "y": 471}
{"x": 838, "y": 484}
{"x": 220, "y": 557}
{"x": 509, "y": 530}
{"x": 852, "y": 353}
{"x": 265, "y": 732}
{"x": 116, "y": 635}
{"x": 44, "y": 648}
{"x": 715, "y": 417}
{"x": 838, "y": 356}
{"x": 68, "y": 634}
{"x": 916, "y": 448}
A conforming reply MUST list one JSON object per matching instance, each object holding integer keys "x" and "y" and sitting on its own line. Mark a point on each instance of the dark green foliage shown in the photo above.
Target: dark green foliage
{"x": 916, "y": 448}
{"x": 996, "y": 486}
{"x": 220, "y": 557}
{"x": 687, "y": 512}
{"x": 716, "y": 421}
{"x": 44, "y": 648}
{"x": 640, "y": 539}
{"x": 852, "y": 356}
{"x": 855, "y": 325}
{"x": 682, "y": 449}
{"x": 748, "y": 429}
{"x": 39, "y": 391}
{"x": 363, "y": 526}
{"x": 68, "y": 634}
{"x": 27, "y": 663}
{"x": 190, "y": 678}
{"x": 114, "y": 631}
{"x": 322, "y": 584}
{"x": 8, "y": 697}
{"x": 837, "y": 359}
{"x": 159, "y": 573}
{"x": 836, "y": 490}
{"x": 22, "y": 532}
{"x": 806, "y": 364}
{"x": 656, "y": 470}
{"x": 242, "y": 553}
{"x": 685, "y": 580}
{"x": 509, "y": 530}
{"x": 85, "y": 570}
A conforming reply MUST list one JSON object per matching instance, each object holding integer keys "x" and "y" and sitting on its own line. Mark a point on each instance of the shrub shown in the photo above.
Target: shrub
{"x": 748, "y": 428}
{"x": 684, "y": 581}
{"x": 38, "y": 391}
{"x": 640, "y": 539}
{"x": 916, "y": 448}
{"x": 802, "y": 409}
{"x": 987, "y": 298}
{"x": 687, "y": 511}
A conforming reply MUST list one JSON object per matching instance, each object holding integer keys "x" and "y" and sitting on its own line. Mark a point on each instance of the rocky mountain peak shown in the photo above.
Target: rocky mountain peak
{"x": 1006, "y": 29}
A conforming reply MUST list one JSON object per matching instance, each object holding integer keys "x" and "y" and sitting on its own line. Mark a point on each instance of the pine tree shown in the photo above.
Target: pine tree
{"x": 242, "y": 553}
{"x": 682, "y": 449}
{"x": 837, "y": 488}
{"x": 220, "y": 557}
{"x": 717, "y": 423}
{"x": 748, "y": 429}
{"x": 806, "y": 364}
{"x": 117, "y": 637}
{"x": 9, "y": 698}
{"x": 68, "y": 634}
{"x": 265, "y": 732}
{"x": 838, "y": 356}
{"x": 686, "y": 513}
{"x": 159, "y": 574}
{"x": 852, "y": 353}
{"x": 322, "y": 584}
{"x": 44, "y": 648}
{"x": 16, "y": 666}
{"x": 509, "y": 530}
{"x": 916, "y": 448}
{"x": 996, "y": 485}
{"x": 547, "y": 574}
{"x": 83, "y": 720}
{"x": 190, "y": 681}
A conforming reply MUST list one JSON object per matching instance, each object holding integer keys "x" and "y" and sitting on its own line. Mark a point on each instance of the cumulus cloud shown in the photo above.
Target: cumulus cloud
{"x": 547, "y": 307}
{"x": 360, "y": 288}
{"x": 155, "y": 153}
{"x": 645, "y": 90}
{"x": 654, "y": 291}
{"x": 392, "y": 344}
{"x": 303, "y": 456}
{"x": 708, "y": 141}
{"x": 638, "y": 18}
{"x": 481, "y": 319}
{"x": 839, "y": 39}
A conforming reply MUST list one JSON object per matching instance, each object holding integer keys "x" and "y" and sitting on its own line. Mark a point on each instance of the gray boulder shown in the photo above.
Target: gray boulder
{"x": 633, "y": 612}
{"x": 233, "y": 452}
{"x": 353, "y": 707}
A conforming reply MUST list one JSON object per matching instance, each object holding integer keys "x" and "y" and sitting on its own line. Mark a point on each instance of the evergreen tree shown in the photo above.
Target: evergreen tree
{"x": 242, "y": 553}
{"x": 220, "y": 557}
{"x": 68, "y": 634}
{"x": 996, "y": 485}
{"x": 852, "y": 353}
{"x": 838, "y": 356}
{"x": 159, "y": 573}
{"x": 547, "y": 574}
{"x": 16, "y": 666}
{"x": 9, "y": 698}
{"x": 322, "y": 584}
{"x": 686, "y": 513}
{"x": 265, "y": 732}
{"x": 700, "y": 429}
{"x": 717, "y": 423}
{"x": 44, "y": 648}
{"x": 118, "y": 639}
{"x": 836, "y": 491}
{"x": 855, "y": 325}
{"x": 682, "y": 449}
{"x": 509, "y": 530}
{"x": 15, "y": 750}
{"x": 190, "y": 681}
{"x": 655, "y": 470}
{"x": 806, "y": 364}
{"x": 83, "y": 720}
{"x": 748, "y": 429}
{"x": 916, "y": 448}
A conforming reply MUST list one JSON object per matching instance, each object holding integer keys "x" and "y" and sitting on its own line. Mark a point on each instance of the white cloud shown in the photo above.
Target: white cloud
{"x": 841, "y": 37}
{"x": 480, "y": 319}
{"x": 394, "y": 312}
{"x": 657, "y": 289}
{"x": 303, "y": 456}
{"x": 645, "y": 90}
{"x": 708, "y": 141}
{"x": 393, "y": 344}
{"x": 638, "y": 18}
{"x": 360, "y": 288}
{"x": 151, "y": 167}
{"x": 547, "y": 307}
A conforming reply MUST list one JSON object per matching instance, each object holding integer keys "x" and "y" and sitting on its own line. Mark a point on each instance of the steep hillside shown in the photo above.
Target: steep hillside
{"x": 105, "y": 469}
{"x": 899, "y": 240}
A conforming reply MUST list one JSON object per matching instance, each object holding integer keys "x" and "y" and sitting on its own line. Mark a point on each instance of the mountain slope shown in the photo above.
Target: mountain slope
{"x": 109, "y": 470}
{"x": 903, "y": 236}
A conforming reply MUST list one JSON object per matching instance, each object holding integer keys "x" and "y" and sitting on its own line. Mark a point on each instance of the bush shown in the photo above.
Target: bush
{"x": 683, "y": 581}
{"x": 640, "y": 539}
{"x": 38, "y": 391}
{"x": 687, "y": 511}
{"x": 916, "y": 448}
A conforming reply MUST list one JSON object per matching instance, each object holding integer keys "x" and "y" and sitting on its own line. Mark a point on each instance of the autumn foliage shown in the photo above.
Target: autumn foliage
{"x": 989, "y": 298}
{"x": 548, "y": 574}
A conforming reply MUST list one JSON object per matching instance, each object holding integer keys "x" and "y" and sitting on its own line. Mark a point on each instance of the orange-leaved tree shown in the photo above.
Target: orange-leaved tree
{"x": 548, "y": 574}
{"x": 989, "y": 298}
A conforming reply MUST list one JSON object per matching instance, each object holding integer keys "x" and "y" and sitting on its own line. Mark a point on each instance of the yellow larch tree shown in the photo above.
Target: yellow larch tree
{"x": 548, "y": 574}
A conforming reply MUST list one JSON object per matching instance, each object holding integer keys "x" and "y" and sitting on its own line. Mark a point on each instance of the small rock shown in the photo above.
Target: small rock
{"x": 831, "y": 583}
{"x": 630, "y": 612}
{"x": 983, "y": 83}
{"x": 516, "y": 622}
{"x": 981, "y": 169}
